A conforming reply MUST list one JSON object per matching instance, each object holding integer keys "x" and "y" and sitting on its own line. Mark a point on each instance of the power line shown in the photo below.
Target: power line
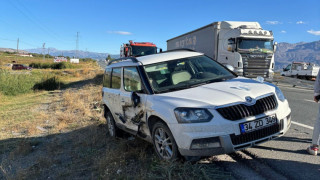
{"x": 32, "y": 45}
{"x": 14, "y": 28}
{"x": 20, "y": 42}
{"x": 34, "y": 20}
{"x": 5, "y": 39}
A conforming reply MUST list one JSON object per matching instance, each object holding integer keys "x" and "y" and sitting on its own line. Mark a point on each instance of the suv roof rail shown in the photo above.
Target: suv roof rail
{"x": 180, "y": 49}
{"x": 133, "y": 59}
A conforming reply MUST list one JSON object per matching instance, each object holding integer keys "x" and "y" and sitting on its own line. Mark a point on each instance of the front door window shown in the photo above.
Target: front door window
{"x": 131, "y": 79}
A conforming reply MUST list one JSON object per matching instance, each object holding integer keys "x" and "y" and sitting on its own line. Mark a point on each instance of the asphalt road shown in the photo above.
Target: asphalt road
{"x": 287, "y": 154}
{"x": 285, "y": 157}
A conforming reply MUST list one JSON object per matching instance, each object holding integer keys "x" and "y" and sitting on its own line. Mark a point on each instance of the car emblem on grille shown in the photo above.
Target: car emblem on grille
{"x": 250, "y": 100}
{"x": 257, "y": 56}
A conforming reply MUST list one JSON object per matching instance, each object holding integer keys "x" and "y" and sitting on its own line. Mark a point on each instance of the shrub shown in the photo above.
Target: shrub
{"x": 14, "y": 84}
{"x": 45, "y": 65}
{"x": 87, "y": 60}
{"x": 49, "y": 84}
{"x": 60, "y": 65}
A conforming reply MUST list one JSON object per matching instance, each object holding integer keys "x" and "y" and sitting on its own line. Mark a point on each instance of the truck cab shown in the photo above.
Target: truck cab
{"x": 304, "y": 70}
{"x": 247, "y": 47}
{"x": 243, "y": 45}
{"x": 135, "y": 49}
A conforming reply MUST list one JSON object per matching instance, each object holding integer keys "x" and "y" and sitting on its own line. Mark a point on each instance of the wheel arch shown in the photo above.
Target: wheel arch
{"x": 152, "y": 120}
{"x": 106, "y": 109}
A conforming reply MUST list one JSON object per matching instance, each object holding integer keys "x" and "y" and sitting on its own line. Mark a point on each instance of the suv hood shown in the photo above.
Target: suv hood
{"x": 217, "y": 94}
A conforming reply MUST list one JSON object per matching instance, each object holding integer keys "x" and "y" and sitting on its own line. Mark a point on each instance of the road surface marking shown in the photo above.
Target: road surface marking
{"x": 303, "y": 125}
{"x": 309, "y": 100}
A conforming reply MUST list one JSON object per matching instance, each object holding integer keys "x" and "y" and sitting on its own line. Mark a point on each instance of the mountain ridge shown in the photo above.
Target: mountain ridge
{"x": 285, "y": 53}
{"x": 72, "y": 53}
{"x": 301, "y": 51}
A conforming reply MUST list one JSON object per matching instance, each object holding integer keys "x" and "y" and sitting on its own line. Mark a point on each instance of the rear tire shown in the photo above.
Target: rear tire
{"x": 164, "y": 143}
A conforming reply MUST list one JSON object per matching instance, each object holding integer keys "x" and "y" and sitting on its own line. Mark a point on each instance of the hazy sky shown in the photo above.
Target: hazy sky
{"x": 103, "y": 25}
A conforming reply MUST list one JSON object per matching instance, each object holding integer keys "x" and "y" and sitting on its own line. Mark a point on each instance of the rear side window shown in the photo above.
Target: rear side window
{"x": 116, "y": 78}
{"x": 107, "y": 78}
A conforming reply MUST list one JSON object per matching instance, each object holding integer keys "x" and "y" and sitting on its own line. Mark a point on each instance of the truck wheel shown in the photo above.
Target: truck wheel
{"x": 164, "y": 143}
{"x": 111, "y": 125}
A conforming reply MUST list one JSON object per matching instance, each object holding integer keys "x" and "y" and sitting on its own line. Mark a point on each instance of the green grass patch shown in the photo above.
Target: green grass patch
{"x": 46, "y": 65}
{"x": 14, "y": 83}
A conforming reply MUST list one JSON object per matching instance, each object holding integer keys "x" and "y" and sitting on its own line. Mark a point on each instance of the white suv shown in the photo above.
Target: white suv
{"x": 188, "y": 104}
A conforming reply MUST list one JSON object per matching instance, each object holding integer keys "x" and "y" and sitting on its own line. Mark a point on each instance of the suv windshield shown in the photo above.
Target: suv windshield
{"x": 185, "y": 73}
{"x": 143, "y": 50}
{"x": 255, "y": 45}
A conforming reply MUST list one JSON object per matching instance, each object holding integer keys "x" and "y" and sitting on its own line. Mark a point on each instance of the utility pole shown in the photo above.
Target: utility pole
{"x": 44, "y": 53}
{"x": 17, "y": 49}
{"x": 18, "y": 45}
{"x": 77, "y": 45}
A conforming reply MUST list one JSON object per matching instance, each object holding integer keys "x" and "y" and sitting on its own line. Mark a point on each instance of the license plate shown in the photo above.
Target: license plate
{"x": 258, "y": 124}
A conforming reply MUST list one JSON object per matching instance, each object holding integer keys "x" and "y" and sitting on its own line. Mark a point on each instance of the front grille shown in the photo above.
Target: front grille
{"x": 255, "y": 135}
{"x": 253, "y": 73}
{"x": 241, "y": 111}
{"x": 256, "y": 66}
{"x": 257, "y": 63}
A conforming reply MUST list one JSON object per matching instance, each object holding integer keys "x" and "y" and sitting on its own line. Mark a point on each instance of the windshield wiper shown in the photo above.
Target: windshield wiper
{"x": 173, "y": 89}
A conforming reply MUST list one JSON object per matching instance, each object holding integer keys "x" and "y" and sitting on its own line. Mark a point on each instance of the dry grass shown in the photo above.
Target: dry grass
{"x": 17, "y": 114}
{"x": 65, "y": 138}
{"x": 22, "y": 115}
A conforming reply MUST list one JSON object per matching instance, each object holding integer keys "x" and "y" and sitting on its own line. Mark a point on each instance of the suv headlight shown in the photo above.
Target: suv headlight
{"x": 278, "y": 91}
{"x": 192, "y": 115}
{"x": 280, "y": 94}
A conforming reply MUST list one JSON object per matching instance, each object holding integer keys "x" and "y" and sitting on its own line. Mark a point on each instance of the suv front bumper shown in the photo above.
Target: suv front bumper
{"x": 230, "y": 143}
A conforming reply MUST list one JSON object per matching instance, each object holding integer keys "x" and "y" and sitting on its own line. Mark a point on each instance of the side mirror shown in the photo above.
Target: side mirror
{"x": 160, "y": 50}
{"x": 230, "y": 67}
{"x": 275, "y": 46}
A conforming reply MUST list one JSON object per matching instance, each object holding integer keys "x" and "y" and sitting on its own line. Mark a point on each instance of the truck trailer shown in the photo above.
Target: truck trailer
{"x": 243, "y": 45}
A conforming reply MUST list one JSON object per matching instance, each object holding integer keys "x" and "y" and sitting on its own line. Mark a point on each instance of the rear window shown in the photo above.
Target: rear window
{"x": 107, "y": 78}
{"x": 116, "y": 78}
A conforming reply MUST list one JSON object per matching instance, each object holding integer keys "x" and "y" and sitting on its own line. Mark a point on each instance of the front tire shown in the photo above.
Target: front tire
{"x": 164, "y": 143}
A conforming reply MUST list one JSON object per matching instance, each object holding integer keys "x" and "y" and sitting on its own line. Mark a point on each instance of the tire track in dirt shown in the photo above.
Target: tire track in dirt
{"x": 245, "y": 165}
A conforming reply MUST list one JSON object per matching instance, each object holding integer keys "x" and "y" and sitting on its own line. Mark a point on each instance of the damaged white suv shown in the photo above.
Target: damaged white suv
{"x": 188, "y": 104}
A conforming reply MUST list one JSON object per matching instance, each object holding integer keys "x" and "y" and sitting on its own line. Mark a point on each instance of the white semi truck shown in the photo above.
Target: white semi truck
{"x": 243, "y": 45}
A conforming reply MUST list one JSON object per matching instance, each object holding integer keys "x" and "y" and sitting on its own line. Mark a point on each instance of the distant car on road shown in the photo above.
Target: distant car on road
{"x": 21, "y": 67}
